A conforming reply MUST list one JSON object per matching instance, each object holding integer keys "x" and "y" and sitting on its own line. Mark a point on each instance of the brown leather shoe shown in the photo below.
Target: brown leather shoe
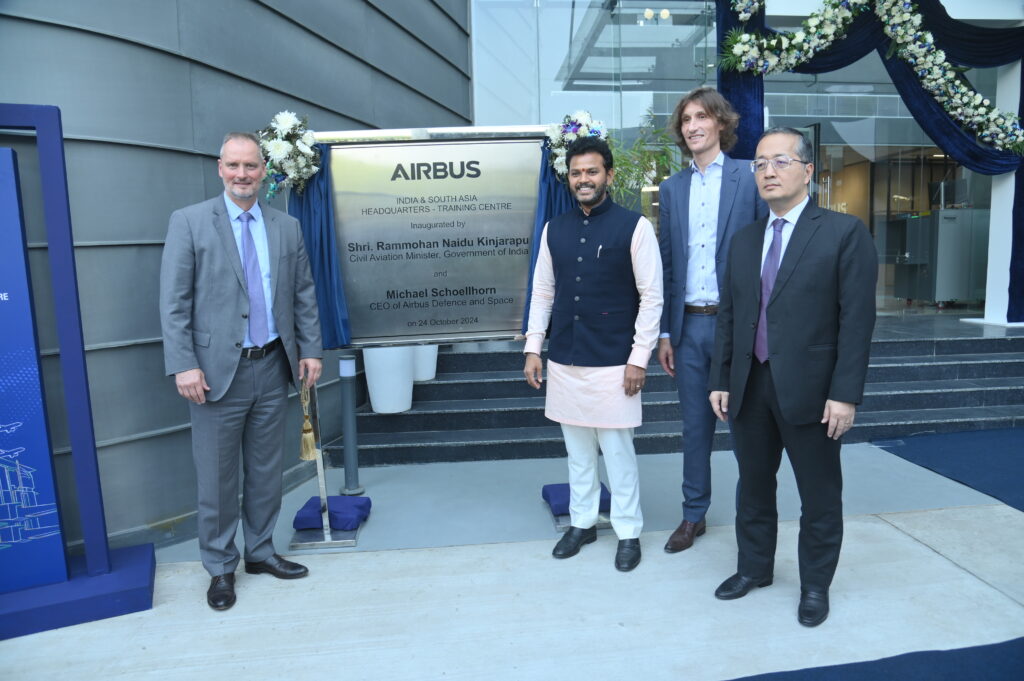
{"x": 684, "y": 535}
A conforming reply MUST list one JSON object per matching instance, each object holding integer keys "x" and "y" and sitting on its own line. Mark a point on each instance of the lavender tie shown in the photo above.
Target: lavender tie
{"x": 254, "y": 285}
{"x": 768, "y": 274}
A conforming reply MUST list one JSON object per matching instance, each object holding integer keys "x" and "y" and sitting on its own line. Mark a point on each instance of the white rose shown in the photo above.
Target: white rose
{"x": 785, "y": 41}
{"x": 798, "y": 37}
{"x": 738, "y": 49}
{"x": 308, "y": 138}
{"x": 304, "y": 148}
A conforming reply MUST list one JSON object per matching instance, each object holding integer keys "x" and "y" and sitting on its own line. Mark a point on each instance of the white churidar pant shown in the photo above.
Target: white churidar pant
{"x": 583, "y": 445}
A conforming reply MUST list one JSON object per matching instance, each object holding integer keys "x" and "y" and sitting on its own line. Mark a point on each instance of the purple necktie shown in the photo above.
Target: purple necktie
{"x": 254, "y": 285}
{"x": 768, "y": 273}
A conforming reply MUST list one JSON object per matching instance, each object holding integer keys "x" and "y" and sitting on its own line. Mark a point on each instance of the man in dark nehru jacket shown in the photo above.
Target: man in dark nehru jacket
{"x": 700, "y": 208}
{"x": 598, "y": 282}
{"x": 791, "y": 356}
{"x": 239, "y": 319}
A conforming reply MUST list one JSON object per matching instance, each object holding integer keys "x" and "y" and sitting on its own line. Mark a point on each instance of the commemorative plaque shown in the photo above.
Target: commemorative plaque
{"x": 434, "y": 236}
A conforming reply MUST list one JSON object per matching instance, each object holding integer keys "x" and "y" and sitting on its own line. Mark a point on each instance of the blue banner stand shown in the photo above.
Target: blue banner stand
{"x": 104, "y": 582}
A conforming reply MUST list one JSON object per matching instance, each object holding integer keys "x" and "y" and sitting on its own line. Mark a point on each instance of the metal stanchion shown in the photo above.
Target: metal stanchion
{"x": 347, "y": 373}
{"x": 327, "y": 537}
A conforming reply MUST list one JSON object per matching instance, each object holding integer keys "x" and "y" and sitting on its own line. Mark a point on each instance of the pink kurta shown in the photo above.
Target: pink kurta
{"x": 595, "y": 396}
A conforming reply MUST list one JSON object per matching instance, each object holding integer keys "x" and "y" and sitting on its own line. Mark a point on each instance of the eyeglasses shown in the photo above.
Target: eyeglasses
{"x": 779, "y": 163}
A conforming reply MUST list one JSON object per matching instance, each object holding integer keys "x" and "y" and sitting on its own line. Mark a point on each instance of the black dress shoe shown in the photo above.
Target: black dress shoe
{"x": 570, "y": 543}
{"x": 813, "y": 608}
{"x": 221, "y": 594}
{"x": 277, "y": 566}
{"x": 627, "y": 556}
{"x": 738, "y": 586}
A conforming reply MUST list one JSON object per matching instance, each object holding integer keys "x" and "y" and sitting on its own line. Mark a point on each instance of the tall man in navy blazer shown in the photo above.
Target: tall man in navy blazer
{"x": 791, "y": 355}
{"x": 700, "y": 208}
{"x": 239, "y": 319}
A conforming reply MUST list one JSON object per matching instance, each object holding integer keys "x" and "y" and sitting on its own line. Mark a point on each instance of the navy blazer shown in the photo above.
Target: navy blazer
{"x": 739, "y": 204}
{"x": 820, "y": 315}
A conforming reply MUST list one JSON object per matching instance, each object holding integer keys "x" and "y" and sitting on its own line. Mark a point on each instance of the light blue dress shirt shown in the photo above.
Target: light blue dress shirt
{"x": 702, "y": 234}
{"x": 259, "y": 237}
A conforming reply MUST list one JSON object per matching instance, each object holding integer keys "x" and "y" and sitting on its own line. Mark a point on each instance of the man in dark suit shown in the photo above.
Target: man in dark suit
{"x": 700, "y": 208}
{"x": 239, "y": 319}
{"x": 791, "y": 355}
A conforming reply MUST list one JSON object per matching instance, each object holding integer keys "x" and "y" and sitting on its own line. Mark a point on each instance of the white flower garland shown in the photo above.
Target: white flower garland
{"x": 291, "y": 157}
{"x": 787, "y": 50}
{"x": 902, "y": 23}
{"x": 561, "y": 135}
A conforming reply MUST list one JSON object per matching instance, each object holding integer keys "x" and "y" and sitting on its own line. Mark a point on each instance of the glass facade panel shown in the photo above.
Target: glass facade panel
{"x": 628, "y": 62}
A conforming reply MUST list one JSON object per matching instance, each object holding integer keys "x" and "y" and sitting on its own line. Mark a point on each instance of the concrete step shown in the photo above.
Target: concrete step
{"x": 528, "y": 411}
{"x": 452, "y": 360}
{"x": 472, "y": 385}
{"x": 652, "y": 437}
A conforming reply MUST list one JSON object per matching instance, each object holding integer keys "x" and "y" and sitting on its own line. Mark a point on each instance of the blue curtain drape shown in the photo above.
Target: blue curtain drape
{"x": 745, "y": 91}
{"x": 964, "y": 45}
{"x": 553, "y": 198}
{"x": 314, "y": 209}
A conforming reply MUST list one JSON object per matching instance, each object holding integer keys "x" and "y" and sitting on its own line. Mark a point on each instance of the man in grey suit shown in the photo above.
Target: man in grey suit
{"x": 239, "y": 317}
{"x": 791, "y": 356}
{"x": 700, "y": 208}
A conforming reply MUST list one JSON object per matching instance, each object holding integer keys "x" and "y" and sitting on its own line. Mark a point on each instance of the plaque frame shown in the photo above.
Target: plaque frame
{"x": 420, "y": 136}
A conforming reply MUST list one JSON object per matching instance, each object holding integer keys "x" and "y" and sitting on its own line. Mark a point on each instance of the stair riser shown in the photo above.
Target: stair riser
{"x": 433, "y": 392}
{"x": 451, "y": 362}
{"x": 935, "y": 372}
{"x": 669, "y": 411}
{"x": 960, "y": 346}
{"x": 659, "y": 382}
{"x": 645, "y": 444}
{"x": 982, "y": 397}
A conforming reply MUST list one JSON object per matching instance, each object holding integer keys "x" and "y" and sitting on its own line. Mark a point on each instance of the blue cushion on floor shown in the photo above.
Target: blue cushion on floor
{"x": 345, "y": 513}
{"x": 557, "y": 496}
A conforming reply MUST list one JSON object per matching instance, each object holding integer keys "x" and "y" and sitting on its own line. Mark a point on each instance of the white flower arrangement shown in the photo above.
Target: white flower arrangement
{"x": 561, "y": 135}
{"x": 291, "y": 157}
{"x": 785, "y": 51}
{"x": 902, "y": 23}
{"x": 746, "y": 8}
{"x": 969, "y": 108}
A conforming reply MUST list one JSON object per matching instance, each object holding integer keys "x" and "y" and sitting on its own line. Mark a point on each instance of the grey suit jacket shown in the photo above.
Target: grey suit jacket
{"x": 739, "y": 204}
{"x": 204, "y": 305}
{"x": 820, "y": 315}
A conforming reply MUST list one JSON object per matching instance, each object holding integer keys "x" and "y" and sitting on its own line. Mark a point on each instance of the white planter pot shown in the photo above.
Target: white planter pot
{"x": 425, "y": 363}
{"x": 389, "y": 378}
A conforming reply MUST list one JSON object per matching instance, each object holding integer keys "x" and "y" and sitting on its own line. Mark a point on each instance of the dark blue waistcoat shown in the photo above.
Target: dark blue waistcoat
{"x": 593, "y": 318}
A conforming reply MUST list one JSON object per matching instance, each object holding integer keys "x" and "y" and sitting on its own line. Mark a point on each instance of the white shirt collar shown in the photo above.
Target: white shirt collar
{"x": 793, "y": 215}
